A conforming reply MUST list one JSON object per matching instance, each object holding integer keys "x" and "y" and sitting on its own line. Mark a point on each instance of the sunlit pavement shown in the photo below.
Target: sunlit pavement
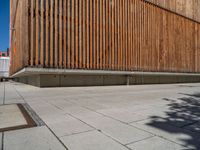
{"x": 138, "y": 117}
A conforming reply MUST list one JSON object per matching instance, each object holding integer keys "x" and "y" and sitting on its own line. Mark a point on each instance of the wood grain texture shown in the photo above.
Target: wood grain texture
{"x": 129, "y": 35}
{"x": 187, "y": 8}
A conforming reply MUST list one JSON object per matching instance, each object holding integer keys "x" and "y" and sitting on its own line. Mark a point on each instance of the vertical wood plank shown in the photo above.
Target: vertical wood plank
{"x": 52, "y": 33}
{"x": 76, "y": 25}
{"x": 65, "y": 33}
{"x": 69, "y": 20}
{"x": 61, "y": 34}
{"x": 32, "y": 33}
{"x": 37, "y": 48}
{"x": 47, "y": 36}
{"x": 56, "y": 36}
{"x": 72, "y": 35}
{"x": 84, "y": 14}
{"x": 80, "y": 39}
{"x": 42, "y": 41}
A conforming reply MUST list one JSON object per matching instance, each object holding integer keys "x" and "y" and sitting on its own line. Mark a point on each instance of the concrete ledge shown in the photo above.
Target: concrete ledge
{"x": 63, "y": 77}
{"x": 36, "y": 71}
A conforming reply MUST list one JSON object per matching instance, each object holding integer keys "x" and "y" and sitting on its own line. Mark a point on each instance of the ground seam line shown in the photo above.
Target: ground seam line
{"x": 72, "y": 116}
{"x": 153, "y": 134}
{"x": 57, "y": 137}
{"x": 19, "y": 94}
{"x": 112, "y": 118}
{"x": 2, "y": 140}
{"x": 95, "y": 128}
{"x": 54, "y": 134}
{"x": 141, "y": 140}
{"x": 160, "y": 136}
{"x": 77, "y": 133}
{"x": 44, "y": 123}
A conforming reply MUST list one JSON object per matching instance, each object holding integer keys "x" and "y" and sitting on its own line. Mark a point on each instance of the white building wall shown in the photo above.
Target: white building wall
{"x": 4, "y": 66}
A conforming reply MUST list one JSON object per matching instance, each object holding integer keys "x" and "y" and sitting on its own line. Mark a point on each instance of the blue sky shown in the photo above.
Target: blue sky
{"x": 4, "y": 24}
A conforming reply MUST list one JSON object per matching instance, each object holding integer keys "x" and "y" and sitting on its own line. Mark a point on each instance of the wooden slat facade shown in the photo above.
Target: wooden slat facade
{"x": 128, "y": 35}
{"x": 187, "y": 8}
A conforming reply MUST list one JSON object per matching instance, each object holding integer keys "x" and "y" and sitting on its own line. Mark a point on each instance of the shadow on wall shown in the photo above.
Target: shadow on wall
{"x": 184, "y": 114}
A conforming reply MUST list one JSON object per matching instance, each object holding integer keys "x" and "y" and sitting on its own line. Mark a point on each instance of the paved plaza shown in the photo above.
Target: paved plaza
{"x": 138, "y": 117}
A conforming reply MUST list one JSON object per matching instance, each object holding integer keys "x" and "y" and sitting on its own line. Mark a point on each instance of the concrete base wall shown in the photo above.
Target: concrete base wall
{"x": 45, "y": 80}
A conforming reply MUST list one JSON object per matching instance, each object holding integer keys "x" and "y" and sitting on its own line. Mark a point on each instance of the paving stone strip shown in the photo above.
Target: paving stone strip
{"x": 33, "y": 115}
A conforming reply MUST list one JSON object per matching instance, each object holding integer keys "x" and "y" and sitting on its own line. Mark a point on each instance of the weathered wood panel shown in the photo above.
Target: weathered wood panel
{"x": 187, "y": 8}
{"x": 20, "y": 33}
{"x": 130, "y": 35}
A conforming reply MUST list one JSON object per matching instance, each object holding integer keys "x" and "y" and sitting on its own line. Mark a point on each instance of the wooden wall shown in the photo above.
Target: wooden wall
{"x": 188, "y": 8}
{"x": 107, "y": 35}
{"x": 19, "y": 15}
{"x": 13, "y": 8}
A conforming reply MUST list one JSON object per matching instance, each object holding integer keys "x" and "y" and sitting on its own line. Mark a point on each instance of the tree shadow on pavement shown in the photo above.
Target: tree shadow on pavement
{"x": 182, "y": 118}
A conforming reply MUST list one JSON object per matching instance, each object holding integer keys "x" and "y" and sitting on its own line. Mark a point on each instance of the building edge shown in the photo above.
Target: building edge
{"x": 46, "y": 77}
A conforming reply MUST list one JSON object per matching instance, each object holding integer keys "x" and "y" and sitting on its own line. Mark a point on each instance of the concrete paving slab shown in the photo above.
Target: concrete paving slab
{"x": 14, "y": 101}
{"x": 43, "y": 109}
{"x": 119, "y": 131}
{"x": 64, "y": 105}
{"x": 82, "y": 113}
{"x": 1, "y": 93}
{"x": 171, "y": 116}
{"x": 10, "y": 92}
{"x": 66, "y": 125}
{"x": 92, "y": 140}
{"x": 95, "y": 102}
{"x": 172, "y": 133}
{"x": 123, "y": 115}
{"x": 11, "y": 116}
{"x": 156, "y": 143}
{"x": 153, "y": 111}
{"x": 109, "y": 109}
{"x": 39, "y": 138}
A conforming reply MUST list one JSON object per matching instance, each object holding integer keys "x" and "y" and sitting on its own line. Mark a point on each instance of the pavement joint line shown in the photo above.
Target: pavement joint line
{"x": 97, "y": 129}
{"x": 127, "y": 92}
{"x": 57, "y": 137}
{"x": 142, "y": 129}
{"x": 78, "y": 133}
{"x": 153, "y": 134}
{"x": 112, "y": 118}
{"x": 114, "y": 139}
{"x": 161, "y": 136}
{"x": 45, "y": 124}
{"x": 119, "y": 121}
{"x": 73, "y": 116}
{"x": 138, "y": 120}
{"x": 2, "y": 140}
{"x": 63, "y": 136}
{"x": 19, "y": 93}
{"x": 141, "y": 140}
{"x": 132, "y": 125}
{"x": 172, "y": 141}
{"x": 125, "y": 145}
